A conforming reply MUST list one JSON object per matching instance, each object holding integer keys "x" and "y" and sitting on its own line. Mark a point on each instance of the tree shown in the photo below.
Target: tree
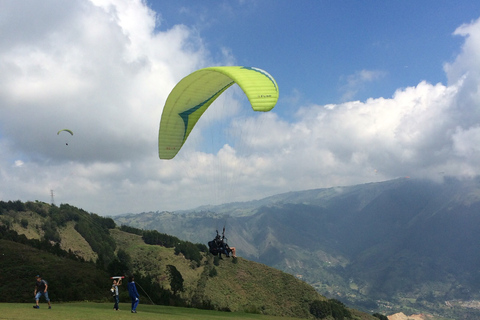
{"x": 380, "y": 316}
{"x": 320, "y": 309}
{"x": 334, "y": 308}
{"x": 50, "y": 231}
{"x": 339, "y": 310}
{"x": 121, "y": 265}
{"x": 176, "y": 279}
{"x": 124, "y": 258}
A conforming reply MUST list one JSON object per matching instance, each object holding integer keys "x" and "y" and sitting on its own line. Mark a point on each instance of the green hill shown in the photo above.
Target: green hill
{"x": 77, "y": 251}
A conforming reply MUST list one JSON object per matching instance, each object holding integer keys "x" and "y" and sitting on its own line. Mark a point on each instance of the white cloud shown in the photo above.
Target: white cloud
{"x": 98, "y": 68}
{"x": 101, "y": 69}
{"x": 18, "y": 163}
{"x": 104, "y": 76}
{"x": 357, "y": 81}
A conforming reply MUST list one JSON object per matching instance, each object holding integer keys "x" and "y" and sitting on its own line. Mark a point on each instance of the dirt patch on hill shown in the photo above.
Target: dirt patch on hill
{"x": 402, "y": 316}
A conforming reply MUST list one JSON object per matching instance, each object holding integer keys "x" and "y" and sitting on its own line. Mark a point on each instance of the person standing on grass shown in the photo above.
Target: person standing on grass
{"x": 115, "y": 285}
{"x": 133, "y": 293}
{"x": 41, "y": 287}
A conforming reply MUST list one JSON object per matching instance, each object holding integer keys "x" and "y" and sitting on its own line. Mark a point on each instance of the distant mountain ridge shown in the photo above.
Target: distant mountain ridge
{"x": 404, "y": 242}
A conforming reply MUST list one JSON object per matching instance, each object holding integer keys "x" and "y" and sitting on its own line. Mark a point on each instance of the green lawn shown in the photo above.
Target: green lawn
{"x": 104, "y": 311}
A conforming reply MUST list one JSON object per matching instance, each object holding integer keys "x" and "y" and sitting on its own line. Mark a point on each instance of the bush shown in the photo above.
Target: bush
{"x": 334, "y": 308}
{"x": 213, "y": 272}
{"x": 24, "y": 223}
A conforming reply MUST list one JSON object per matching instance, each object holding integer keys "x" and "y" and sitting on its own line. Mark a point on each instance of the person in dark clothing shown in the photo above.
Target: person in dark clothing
{"x": 133, "y": 293}
{"x": 41, "y": 287}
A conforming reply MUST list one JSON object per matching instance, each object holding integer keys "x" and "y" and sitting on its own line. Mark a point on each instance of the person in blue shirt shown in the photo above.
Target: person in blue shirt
{"x": 133, "y": 293}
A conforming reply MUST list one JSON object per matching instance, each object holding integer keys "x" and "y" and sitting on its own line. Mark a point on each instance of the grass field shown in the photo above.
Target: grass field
{"x": 104, "y": 311}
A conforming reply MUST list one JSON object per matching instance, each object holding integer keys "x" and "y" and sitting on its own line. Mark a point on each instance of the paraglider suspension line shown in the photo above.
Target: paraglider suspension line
{"x": 145, "y": 292}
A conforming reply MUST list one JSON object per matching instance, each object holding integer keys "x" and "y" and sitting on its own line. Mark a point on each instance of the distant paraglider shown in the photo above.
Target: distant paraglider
{"x": 191, "y": 97}
{"x": 66, "y": 130}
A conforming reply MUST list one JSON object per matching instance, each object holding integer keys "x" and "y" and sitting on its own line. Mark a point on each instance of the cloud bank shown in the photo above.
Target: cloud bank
{"x": 103, "y": 69}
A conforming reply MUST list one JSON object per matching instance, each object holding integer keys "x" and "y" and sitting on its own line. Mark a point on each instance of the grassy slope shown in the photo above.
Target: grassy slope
{"x": 244, "y": 286}
{"x": 152, "y": 260}
{"x": 72, "y": 240}
{"x": 87, "y": 311}
{"x": 35, "y": 221}
{"x": 251, "y": 286}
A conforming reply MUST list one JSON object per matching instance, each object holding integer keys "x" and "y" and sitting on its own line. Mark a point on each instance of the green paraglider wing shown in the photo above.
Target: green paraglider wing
{"x": 67, "y": 130}
{"x": 195, "y": 93}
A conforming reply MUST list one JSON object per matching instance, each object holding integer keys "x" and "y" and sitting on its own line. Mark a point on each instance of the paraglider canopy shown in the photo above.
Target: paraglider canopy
{"x": 67, "y": 130}
{"x": 191, "y": 97}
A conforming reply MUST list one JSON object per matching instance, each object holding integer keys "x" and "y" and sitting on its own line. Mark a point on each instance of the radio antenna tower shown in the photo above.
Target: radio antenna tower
{"x": 52, "y": 200}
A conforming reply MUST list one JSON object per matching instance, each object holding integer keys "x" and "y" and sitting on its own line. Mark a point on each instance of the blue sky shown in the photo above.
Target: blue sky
{"x": 315, "y": 47}
{"x": 369, "y": 91}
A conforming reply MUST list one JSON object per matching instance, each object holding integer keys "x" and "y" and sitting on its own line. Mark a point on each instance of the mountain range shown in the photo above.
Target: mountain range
{"x": 404, "y": 245}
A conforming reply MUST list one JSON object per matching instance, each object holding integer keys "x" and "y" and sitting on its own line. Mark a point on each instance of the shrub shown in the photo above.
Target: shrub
{"x": 24, "y": 223}
{"x": 213, "y": 272}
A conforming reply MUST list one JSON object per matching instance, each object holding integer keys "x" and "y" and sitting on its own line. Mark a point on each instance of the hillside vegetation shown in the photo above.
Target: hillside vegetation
{"x": 77, "y": 252}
